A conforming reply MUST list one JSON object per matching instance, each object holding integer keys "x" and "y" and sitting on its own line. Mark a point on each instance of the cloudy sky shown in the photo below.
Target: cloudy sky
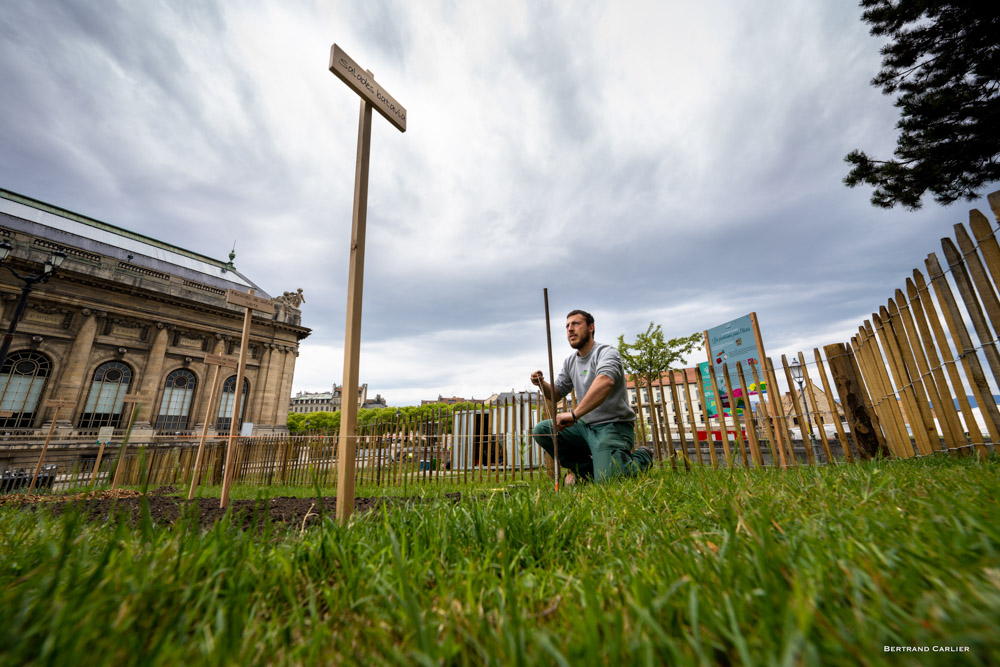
{"x": 669, "y": 162}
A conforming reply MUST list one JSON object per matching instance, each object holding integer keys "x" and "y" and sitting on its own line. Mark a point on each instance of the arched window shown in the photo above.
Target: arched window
{"x": 22, "y": 382}
{"x": 104, "y": 402}
{"x": 225, "y": 417}
{"x": 175, "y": 406}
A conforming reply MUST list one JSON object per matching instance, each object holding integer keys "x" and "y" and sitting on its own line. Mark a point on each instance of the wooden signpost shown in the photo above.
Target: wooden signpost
{"x": 48, "y": 438}
{"x": 214, "y": 360}
{"x": 372, "y": 96}
{"x": 251, "y": 303}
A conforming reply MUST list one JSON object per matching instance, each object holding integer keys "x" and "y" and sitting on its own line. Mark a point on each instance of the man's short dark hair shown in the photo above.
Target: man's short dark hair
{"x": 587, "y": 316}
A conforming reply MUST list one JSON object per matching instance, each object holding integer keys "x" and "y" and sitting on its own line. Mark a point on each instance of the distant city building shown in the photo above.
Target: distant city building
{"x": 329, "y": 401}
{"x": 510, "y": 397}
{"x": 447, "y": 400}
{"x": 304, "y": 402}
{"x": 686, "y": 385}
{"x": 377, "y": 402}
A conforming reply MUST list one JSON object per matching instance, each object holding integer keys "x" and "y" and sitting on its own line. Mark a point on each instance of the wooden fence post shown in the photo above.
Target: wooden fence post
{"x": 807, "y": 442}
{"x": 740, "y": 442}
{"x": 748, "y": 417}
{"x": 771, "y": 427}
{"x": 680, "y": 420}
{"x": 871, "y": 368}
{"x": 967, "y": 353}
{"x": 834, "y": 415}
{"x": 849, "y": 389}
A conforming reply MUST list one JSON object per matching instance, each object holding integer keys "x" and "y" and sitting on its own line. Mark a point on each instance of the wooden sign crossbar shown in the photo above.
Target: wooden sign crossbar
{"x": 221, "y": 360}
{"x": 248, "y": 300}
{"x": 372, "y": 96}
{"x": 363, "y": 83}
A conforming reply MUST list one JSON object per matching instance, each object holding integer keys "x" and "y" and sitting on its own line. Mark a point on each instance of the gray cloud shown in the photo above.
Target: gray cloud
{"x": 647, "y": 161}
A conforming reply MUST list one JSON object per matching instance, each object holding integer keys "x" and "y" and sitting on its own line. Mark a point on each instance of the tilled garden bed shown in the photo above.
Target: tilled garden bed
{"x": 166, "y": 508}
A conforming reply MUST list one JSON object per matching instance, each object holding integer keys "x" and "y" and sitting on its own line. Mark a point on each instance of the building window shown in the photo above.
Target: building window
{"x": 225, "y": 416}
{"x": 175, "y": 406}
{"x": 22, "y": 378}
{"x": 104, "y": 402}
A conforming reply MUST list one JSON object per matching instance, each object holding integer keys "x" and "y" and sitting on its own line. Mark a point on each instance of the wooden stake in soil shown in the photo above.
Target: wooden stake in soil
{"x": 48, "y": 438}
{"x": 250, "y": 303}
{"x": 215, "y": 361}
{"x": 552, "y": 384}
{"x": 138, "y": 401}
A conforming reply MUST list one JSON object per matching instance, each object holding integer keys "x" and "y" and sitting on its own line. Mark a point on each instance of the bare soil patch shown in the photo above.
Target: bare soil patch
{"x": 165, "y": 509}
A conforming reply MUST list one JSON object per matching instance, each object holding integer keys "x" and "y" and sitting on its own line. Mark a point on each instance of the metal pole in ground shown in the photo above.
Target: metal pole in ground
{"x": 552, "y": 384}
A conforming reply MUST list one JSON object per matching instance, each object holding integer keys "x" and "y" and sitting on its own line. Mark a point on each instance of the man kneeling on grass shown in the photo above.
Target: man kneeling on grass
{"x": 600, "y": 445}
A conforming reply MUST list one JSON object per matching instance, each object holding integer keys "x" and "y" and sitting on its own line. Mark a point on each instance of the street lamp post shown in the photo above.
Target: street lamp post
{"x": 52, "y": 264}
{"x": 798, "y": 374}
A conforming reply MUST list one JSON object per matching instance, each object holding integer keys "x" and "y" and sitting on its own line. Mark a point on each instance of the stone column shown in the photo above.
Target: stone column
{"x": 73, "y": 379}
{"x": 273, "y": 386}
{"x": 264, "y": 380}
{"x": 7, "y": 298}
{"x": 150, "y": 382}
{"x": 281, "y": 413}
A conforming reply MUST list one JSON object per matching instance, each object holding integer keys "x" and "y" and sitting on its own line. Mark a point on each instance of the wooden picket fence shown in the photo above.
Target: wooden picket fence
{"x": 899, "y": 388}
{"x": 490, "y": 442}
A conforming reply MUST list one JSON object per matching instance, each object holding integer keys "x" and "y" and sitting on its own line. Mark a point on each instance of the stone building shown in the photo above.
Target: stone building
{"x": 304, "y": 402}
{"x": 447, "y": 400}
{"x": 128, "y": 314}
{"x": 688, "y": 391}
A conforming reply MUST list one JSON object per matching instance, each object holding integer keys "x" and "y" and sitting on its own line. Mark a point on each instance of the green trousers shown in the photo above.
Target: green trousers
{"x": 600, "y": 452}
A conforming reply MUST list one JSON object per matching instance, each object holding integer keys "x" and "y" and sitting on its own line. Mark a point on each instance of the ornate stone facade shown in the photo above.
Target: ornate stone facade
{"x": 127, "y": 314}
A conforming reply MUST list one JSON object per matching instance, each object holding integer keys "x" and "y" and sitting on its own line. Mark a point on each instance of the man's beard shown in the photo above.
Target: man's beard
{"x": 582, "y": 341}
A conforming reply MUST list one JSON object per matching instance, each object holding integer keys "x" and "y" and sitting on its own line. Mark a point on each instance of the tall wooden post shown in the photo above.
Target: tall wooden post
{"x": 215, "y": 361}
{"x": 372, "y": 97}
{"x": 48, "y": 438}
{"x": 250, "y": 303}
{"x": 552, "y": 398}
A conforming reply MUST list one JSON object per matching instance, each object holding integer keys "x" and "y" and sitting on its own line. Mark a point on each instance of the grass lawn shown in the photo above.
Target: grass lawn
{"x": 804, "y": 566}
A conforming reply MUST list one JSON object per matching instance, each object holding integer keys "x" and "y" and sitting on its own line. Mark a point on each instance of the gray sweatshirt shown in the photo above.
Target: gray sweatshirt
{"x": 579, "y": 373}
